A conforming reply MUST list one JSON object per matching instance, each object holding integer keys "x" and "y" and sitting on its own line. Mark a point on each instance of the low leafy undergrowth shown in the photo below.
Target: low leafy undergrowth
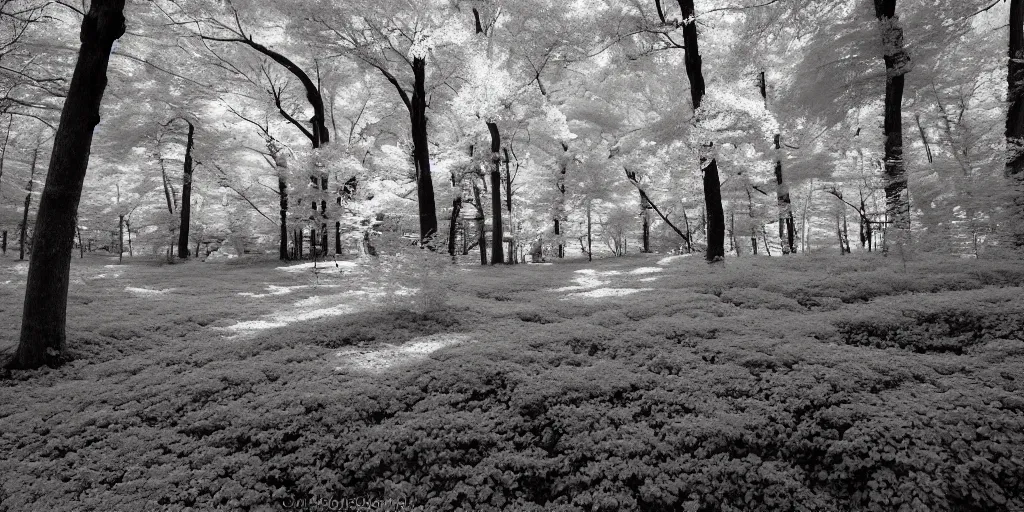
{"x": 718, "y": 390}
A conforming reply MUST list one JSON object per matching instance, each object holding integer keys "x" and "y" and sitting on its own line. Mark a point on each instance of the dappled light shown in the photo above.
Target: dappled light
{"x": 512, "y": 255}
{"x": 388, "y": 356}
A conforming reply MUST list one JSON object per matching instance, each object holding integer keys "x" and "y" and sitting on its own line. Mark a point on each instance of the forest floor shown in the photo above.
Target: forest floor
{"x": 639, "y": 383}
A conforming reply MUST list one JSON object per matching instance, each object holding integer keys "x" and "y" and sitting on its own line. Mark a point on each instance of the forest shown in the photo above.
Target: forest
{"x": 588, "y": 255}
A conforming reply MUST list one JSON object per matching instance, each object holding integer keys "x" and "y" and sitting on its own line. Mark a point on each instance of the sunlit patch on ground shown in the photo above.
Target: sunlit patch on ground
{"x": 147, "y": 291}
{"x": 327, "y": 267}
{"x": 671, "y": 259}
{"x": 387, "y": 356}
{"x": 646, "y": 270}
{"x": 274, "y": 290}
{"x": 311, "y": 308}
{"x": 605, "y": 292}
{"x": 589, "y": 278}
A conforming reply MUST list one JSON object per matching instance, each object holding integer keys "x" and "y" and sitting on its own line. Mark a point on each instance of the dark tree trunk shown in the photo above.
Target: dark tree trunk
{"x": 497, "y": 230}
{"x": 28, "y": 204}
{"x": 312, "y": 243}
{"x": 558, "y": 232}
{"x": 753, "y": 231}
{"x": 708, "y": 164}
{"x": 337, "y": 238}
{"x": 590, "y": 238}
{"x": 1015, "y": 120}
{"x": 453, "y": 224}
{"x": 897, "y": 64}
{"x": 3, "y": 148}
{"x": 81, "y": 248}
{"x": 120, "y": 238}
{"x": 715, "y": 213}
{"x": 561, "y": 189}
{"x": 186, "y": 194}
{"x": 3, "y": 242}
{"x": 512, "y": 259}
{"x": 480, "y": 224}
{"x": 282, "y": 190}
{"x": 787, "y": 237}
{"x": 421, "y": 153}
{"x": 647, "y": 229}
{"x": 686, "y": 223}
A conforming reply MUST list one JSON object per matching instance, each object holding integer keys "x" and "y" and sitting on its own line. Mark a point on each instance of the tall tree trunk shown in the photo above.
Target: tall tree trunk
{"x": 81, "y": 248}
{"x": 337, "y": 238}
{"x": 753, "y": 230}
{"x": 559, "y": 215}
{"x": 897, "y": 64}
{"x": 168, "y": 194}
{"x": 3, "y": 149}
{"x": 3, "y": 242}
{"x": 421, "y": 153}
{"x": 733, "y": 246}
{"x": 120, "y": 238}
{"x": 924, "y": 138}
{"x": 512, "y": 252}
{"x": 480, "y": 224}
{"x": 558, "y": 234}
{"x": 708, "y": 163}
{"x": 281, "y": 164}
{"x": 686, "y": 223}
{"x": 786, "y": 224}
{"x": 646, "y": 214}
{"x": 1015, "y": 120}
{"x": 453, "y": 224}
{"x": 497, "y": 230}
{"x": 28, "y": 204}
{"x": 186, "y": 194}
{"x": 590, "y": 238}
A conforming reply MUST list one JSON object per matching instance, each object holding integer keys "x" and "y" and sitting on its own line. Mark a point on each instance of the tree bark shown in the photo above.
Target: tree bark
{"x": 708, "y": 164}
{"x": 590, "y": 238}
{"x": 786, "y": 223}
{"x": 563, "y": 170}
{"x": 3, "y": 242}
{"x": 497, "y": 230}
{"x": 453, "y": 224}
{"x": 897, "y": 64}
{"x": 3, "y": 148}
{"x": 1015, "y": 120}
{"x": 645, "y": 213}
{"x": 120, "y": 238}
{"x": 337, "y": 238}
{"x": 686, "y": 223}
{"x": 421, "y": 153}
{"x": 512, "y": 259}
{"x": 281, "y": 163}
{"x": 186, "y": 194}
{"x": 28, "y": 204}
{"x": 480, "y": 224}
{"x": 715, "y": 213}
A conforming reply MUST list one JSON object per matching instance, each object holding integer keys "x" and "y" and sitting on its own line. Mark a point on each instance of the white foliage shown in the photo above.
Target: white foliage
{"x": 488, "y": 89}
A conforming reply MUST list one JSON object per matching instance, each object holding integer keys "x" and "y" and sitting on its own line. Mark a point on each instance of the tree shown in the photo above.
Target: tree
{"x": 397, "y": 38}
{"x": 897, "y": 64}
{"x": 1015, "y": 119}
{"x": 43, "y": 337}
{"x": 708, "y": 163}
